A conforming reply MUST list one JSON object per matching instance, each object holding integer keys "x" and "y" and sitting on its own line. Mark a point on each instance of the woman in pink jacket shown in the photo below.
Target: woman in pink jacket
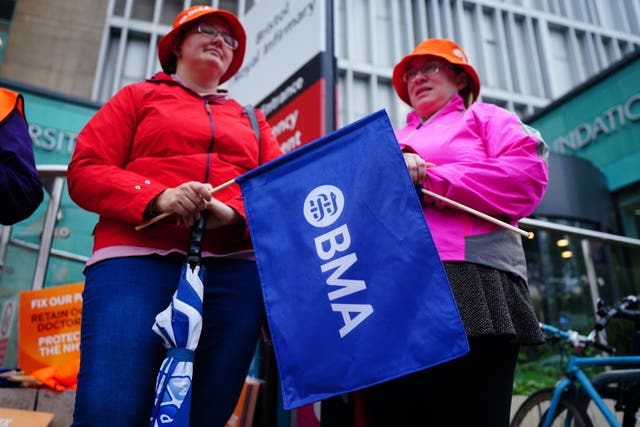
{"x": 481, "y": 156}
{"x": 160, "y": 146}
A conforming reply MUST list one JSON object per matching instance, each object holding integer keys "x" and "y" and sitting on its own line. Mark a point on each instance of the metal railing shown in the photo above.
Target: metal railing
{"x": 580, "y": 232}
{"x": 585, "y": 236}
{"x": 52, "y": 177}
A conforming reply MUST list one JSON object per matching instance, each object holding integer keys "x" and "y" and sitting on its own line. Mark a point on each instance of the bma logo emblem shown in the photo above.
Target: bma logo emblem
{"x": 323, "y": 205}
{"x": 322, "y": 208}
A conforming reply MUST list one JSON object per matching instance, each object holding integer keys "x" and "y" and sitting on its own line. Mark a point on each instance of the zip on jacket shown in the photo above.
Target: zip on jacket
{"x": 151, "y": 136}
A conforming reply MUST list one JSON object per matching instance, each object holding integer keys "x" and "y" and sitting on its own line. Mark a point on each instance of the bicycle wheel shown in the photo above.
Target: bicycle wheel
{"x": 533, "y": 411}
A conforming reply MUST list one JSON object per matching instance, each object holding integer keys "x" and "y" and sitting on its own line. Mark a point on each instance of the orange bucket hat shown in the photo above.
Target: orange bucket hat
{"x": 165, "y": 45}
{"x": 442, "y": 48}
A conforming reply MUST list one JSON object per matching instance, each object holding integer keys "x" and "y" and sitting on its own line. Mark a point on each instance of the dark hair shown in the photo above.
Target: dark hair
{"x": 171, "y": 66}
{"x": 465, "y": 92}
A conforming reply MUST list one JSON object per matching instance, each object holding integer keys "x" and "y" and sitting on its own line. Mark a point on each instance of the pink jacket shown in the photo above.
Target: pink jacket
{"x": 488, "y": 160}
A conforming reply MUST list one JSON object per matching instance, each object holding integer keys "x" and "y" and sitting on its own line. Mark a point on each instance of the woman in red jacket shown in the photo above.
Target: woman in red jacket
{"x": 160, "y": 146}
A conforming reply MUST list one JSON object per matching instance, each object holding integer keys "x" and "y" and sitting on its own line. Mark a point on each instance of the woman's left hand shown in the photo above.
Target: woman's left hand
{"x": 220, "y": 214}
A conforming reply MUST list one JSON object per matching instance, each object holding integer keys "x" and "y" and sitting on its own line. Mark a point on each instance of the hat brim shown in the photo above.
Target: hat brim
{"x": 401, "y": 87}
{"x": 167, "y": 57}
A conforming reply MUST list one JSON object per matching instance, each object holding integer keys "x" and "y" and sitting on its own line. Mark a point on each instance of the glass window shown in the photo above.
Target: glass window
{"x": 609, "y": 49}
{"x": 592, "y": 12}
{"x": 538, "y": 4}
{"x": 360, "y": 31}
{"x": 560, "y": 68}
{"x": 231, "y": 5}
{"x": 383, "y": 34}
{"x": 385, "y": 96}
{"x": 472, "y": 44}
{"x": 561, "y": 7}
{"x": 248, "y": 5}
{"x": 109, "y": 67}
{"x": 522, "y": 64}
{"x": 628, "y": 201}
{"x": 521, "y": 110}
{"x": 170, "y": 9}
{"x": 342, "y": 29}
{"x": 142, "y": 10}
{"x": 499, "y": 102}
{"x": 626, "y": 47}
{"x": 135, "y": 58}
{"x": 6, "y": 10}
{"x": 399, "y": 116}
{"x": 343, "y": 99}
{"x": 577, "y": 10}
{"x": 586, "y": 53}
{"x": 118, "y": 7}
{"x": 407, "y": 29}
{"x": 609, "y": 13}
{"x": 4, "y": 38}
{"x": 433, "y": 21}
{"x": 558, "y": 280}
{"x": 598, "y": 50}
{"x": 493, "y": 69}
{"x": 361, "y": 101}
{"x": 630, "y": 11}
{"x": 6, "y": 14}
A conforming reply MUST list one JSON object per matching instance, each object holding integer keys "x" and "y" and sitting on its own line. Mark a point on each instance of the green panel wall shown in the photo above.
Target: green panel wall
{"x": 600, "y": 122}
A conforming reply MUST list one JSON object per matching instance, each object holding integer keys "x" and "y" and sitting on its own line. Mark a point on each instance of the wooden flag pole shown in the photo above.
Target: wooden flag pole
{"x": 166, "y": 214}
{"x": 527, "y": 234}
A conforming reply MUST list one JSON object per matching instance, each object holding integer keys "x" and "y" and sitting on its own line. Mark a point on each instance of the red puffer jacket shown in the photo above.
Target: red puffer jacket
{"x": 156, "y": 135}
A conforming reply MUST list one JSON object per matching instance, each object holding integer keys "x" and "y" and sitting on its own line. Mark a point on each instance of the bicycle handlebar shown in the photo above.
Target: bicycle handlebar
{"x": 575, "y": 339}
{"x": 603, "y": 347}
{"x": 621, "y": 309}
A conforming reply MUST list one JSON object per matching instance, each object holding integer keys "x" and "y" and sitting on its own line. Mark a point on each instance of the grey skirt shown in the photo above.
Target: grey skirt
{"x": 493, "y": 302}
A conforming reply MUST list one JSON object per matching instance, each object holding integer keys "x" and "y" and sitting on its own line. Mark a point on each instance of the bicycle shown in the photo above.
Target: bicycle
{"x": 577, "y": 398}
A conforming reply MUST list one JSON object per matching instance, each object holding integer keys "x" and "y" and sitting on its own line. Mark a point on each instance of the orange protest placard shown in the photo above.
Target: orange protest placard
{"x": 49, "y": 327}
{"x": 243, "y": 413}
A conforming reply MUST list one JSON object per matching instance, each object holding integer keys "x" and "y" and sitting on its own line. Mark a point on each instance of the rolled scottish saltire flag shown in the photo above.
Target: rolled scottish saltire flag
{"x": 354, "y": 289}
{"x": 179, "y": 326}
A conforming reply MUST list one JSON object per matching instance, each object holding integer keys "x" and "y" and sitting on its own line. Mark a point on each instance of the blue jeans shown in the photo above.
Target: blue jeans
{"x": 120, "y": 354}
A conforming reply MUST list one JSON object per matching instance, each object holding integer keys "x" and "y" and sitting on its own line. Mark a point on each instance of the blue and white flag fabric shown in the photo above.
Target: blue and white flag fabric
{"x": 354, "y": 289}
{"x": 179, "y": 326}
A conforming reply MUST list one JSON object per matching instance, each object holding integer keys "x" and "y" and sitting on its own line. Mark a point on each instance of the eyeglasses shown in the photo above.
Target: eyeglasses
{"x": 213, "y": 32}
{"x": 428, "y": 69}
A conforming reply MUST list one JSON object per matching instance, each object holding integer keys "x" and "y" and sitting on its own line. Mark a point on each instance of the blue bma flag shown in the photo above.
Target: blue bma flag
{"x": 354, "y": 289}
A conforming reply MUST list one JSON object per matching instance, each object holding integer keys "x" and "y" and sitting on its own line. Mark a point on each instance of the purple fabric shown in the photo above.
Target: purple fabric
{"x": 20, "y": 188}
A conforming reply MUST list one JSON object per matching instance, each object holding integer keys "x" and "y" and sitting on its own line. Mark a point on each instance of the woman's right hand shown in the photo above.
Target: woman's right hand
{"x": 417, "y": 167}
{"x": 186, "y": 201}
